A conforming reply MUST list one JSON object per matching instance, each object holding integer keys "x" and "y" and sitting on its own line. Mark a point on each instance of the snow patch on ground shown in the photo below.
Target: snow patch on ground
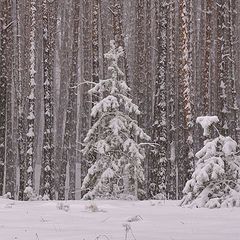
{"x": 157, "y": 220}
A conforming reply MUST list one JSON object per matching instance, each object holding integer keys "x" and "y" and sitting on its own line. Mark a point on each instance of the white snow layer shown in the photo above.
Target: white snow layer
{"x": 206, "y": 122}
{"x": 157, "y": 220}
{"x": 229, "y": 146}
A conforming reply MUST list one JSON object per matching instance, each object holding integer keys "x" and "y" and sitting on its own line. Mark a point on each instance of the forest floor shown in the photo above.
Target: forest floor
{"x": 115, "y": 220}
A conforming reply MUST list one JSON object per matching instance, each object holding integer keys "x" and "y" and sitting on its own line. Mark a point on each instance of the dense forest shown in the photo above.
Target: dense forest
{"x": 180, "y": 59}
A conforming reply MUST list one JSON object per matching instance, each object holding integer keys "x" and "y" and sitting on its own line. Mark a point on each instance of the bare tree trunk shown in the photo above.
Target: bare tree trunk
{"x": 85, "y": 100}
{"x": 159, "y": 127}
{"x": 63, "y": 102}
{"x": 207, "y": 76}
{"x": 118, "y": 34}
{"x": 21, "y": 99}
{"x": 3, "y": 88}
{"x": 222, "y": 84}
{"x": 234, "y": 125}
{"x": 10, "y": 105}
{"x": 70, "y": 136}
{"x": 49, "y": 15}
{"x": 186, "y": 77}
{"x": 31, "y": 94}
{"x": 171, "y": 111}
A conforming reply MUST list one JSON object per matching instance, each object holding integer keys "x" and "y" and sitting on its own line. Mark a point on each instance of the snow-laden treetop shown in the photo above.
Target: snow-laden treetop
{"x": 206, "y": 122}
{"x": 113, "y": 55}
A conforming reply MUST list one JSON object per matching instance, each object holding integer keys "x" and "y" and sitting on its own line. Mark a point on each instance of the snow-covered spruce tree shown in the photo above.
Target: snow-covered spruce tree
{"x": 118, "y": 167}
{"x": 216, "y": 180}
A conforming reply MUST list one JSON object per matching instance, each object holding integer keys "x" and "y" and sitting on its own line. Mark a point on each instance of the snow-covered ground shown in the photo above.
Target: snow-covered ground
{"x": 147, "y": 220}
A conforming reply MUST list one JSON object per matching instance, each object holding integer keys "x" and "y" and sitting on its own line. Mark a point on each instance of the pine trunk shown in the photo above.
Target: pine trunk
{"x": 69, "y": 147}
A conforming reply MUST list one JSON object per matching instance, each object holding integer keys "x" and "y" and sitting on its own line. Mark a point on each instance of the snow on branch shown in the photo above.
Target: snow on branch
{"x": 206, "y": 122}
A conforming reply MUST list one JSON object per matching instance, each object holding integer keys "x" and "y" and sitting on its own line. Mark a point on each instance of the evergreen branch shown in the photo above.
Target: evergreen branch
{"x": 111, "y": 11}
{"x": 216, "y": 130}
{"x": 150, "y": 144}
{"x": 86, "y": 82}
{"x": 5, "y": 27}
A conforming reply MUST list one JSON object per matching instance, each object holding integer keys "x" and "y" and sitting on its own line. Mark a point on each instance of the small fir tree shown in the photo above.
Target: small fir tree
{"x": 216, "y": 179}
{"x": 118, "y": 167}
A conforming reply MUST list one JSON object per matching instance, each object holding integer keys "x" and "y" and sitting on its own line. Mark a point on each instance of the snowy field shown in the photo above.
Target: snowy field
{"x": 146, "y": 220}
